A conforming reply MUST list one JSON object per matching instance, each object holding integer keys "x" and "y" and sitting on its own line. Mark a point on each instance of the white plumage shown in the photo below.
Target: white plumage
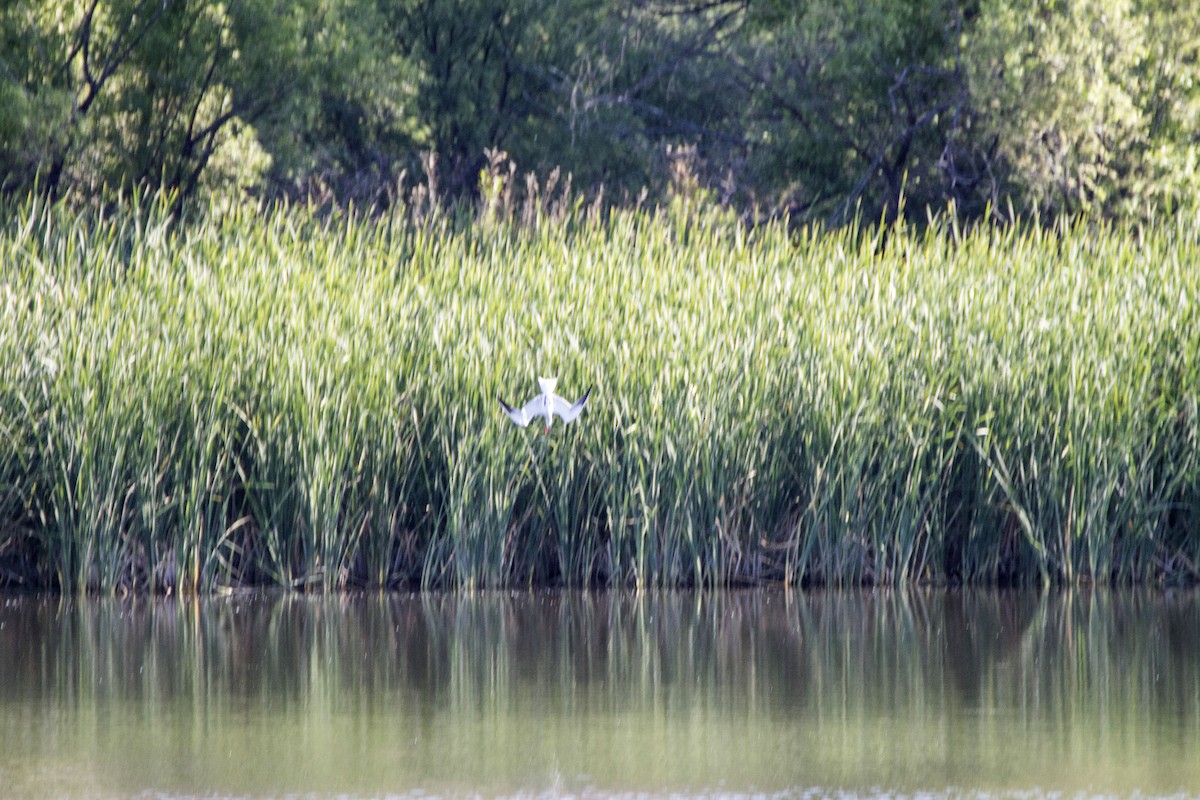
{"x": 546, "y": 404}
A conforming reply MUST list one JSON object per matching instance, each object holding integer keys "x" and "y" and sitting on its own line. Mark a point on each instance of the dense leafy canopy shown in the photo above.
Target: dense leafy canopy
{"x": 821, "y": 108}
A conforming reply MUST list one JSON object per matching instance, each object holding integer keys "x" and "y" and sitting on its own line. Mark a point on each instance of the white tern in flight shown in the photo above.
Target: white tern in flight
{"x": 546, "y": 404}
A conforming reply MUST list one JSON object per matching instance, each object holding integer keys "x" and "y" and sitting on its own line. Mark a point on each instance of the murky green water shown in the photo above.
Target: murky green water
{"x": 801, "y": 695}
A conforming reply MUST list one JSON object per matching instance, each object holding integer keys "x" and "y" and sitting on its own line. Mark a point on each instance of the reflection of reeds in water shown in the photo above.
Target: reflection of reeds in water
{"x": 309, "y": 402}
{"x": 974, "y": 649}
{"x": 979, "y": 690}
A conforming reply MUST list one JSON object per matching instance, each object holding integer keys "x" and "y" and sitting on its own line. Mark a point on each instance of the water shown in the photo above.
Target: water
{"x": 851, "y": 695}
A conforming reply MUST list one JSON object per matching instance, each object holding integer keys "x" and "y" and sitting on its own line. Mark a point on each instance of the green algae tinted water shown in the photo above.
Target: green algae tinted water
{"x": 850, "y": 695}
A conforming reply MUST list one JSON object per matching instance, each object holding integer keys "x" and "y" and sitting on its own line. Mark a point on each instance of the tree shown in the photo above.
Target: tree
{"x": 470, "y": 62}
{"x": 1093, "y": 102}
{"x": 140, "y": 92}
{"x": 343, "y": 124}
{"x": 597, "y": 88}
{"x": 35, "y": 96}
{"x": 856, "y": 107}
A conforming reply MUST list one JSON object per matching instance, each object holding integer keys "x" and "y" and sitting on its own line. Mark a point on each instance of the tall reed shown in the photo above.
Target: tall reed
{"x": 309, "y": 401}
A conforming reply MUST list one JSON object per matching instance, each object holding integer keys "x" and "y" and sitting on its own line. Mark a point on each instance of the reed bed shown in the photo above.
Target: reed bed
{"x": 305, "y": 400}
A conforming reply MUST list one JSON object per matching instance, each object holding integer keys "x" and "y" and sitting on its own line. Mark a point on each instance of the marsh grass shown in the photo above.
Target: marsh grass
{"x": 309, "y": 401}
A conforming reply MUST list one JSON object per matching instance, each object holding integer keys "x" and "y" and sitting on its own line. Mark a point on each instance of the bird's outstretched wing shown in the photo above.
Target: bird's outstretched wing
{"x": 524, "y": 415}
{"x": 569, "y": 411}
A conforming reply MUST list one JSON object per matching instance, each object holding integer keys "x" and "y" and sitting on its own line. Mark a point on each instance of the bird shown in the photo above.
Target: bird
{"x": 546, "y": 404}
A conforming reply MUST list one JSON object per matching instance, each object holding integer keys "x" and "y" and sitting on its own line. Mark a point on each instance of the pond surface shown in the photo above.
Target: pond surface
{"x": 938, "y": 694}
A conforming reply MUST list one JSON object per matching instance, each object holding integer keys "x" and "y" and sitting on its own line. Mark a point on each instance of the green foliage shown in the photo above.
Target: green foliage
{"x": 343, "y": 119}
{"x": 34, "y": 99}
{"x": 1092, "y": 101}
{"x": 556, "y": 85}
{"x": 853, "y": 104}
{"x": 139, "y": 93}
{"x": 171, "y": 106}
{"x": 469, "y": 56}
{"x": 308, "y": 400}
{"x": 823, "y": 110}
